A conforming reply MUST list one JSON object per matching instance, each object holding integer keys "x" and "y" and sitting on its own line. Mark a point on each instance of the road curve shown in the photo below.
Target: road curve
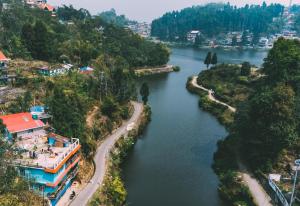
{"x": 101, "y": 156}
{"x": 210, "y": 94}
{"x": 260, "y": 196}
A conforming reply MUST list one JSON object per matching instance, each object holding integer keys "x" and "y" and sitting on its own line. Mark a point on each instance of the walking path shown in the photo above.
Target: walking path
{"x": 260, "y": 196}
{"x": 210, "y": 94}
{"x": 101, "y": 157}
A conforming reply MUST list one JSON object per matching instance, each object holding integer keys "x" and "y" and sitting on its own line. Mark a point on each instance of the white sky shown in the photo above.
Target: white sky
{"x": 147, "y": 10}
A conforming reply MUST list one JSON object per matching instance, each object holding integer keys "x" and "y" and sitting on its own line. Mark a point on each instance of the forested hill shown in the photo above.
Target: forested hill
{"x": 112, "y": 17}
{"x": 214, "y": 19}
{"x": 73, "y": 36}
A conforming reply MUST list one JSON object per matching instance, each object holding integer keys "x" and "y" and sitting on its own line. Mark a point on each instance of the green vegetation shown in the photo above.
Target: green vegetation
{"x": 34, "y": 33}
{"x": 207, "y": 60}
{"x": 271, "y": 114}
{"x": 215, "y": 19}
{"x": 113, "y": 193}
{"x": 144, "y": 92}
{"x": 111, "y": 17}
{"x": 264, "y": 132}
{"x": 227, "y": 83}
{"x": 176, "y": 68}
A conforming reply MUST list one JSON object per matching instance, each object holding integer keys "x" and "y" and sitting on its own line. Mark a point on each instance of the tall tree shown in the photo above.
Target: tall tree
{"x": 144, "y": 91}
{"x": 214, "y": 59}
{"x": 246, "y": 69}
{"x": 208, "y": 59}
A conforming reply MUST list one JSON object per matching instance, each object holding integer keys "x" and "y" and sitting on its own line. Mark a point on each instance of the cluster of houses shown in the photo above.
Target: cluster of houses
{"x": 62, "y": 70}
{"x": 42, "y": 4}
{"x": 245, "y": 38}
{"x": 48, "y": 160}
{"x": 143, "y": 28}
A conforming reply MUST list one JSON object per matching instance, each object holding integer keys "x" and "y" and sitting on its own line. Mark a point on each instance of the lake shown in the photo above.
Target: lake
{"x": 170, "y": 164}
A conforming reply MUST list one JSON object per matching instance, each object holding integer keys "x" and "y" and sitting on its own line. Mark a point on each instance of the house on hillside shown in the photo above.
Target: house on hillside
{"x": 46, "y": 7}
{"x": 40, "y": 113}
{"x": 49, "y": 160}
{"x": 55, "y": 71}
{"x": 86, "y": 70}
{"x": 192, "y": 35}
{"x": 3, "y": 67}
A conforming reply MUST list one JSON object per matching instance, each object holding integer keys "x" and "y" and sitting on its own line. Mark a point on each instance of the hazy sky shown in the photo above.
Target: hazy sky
{"x": 147, "y": 10}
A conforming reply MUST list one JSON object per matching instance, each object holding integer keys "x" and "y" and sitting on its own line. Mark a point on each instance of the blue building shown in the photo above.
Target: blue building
{"x": 49, "y": 160}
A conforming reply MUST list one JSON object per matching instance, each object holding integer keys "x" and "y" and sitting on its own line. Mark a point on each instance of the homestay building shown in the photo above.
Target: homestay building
{"x": 55, "y": 71}
{"x": 49, "y": 160}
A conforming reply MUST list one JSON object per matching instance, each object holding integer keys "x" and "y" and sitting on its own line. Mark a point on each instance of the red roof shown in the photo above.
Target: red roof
{"x": 20, "y": 122}
{"x": 47, "y": 7}
{"x": 3, "y": 57}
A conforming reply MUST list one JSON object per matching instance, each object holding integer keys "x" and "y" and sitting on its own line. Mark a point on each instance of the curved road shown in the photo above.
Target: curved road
{"x": 260, "y": 196}
{"x": 101, "y": 156}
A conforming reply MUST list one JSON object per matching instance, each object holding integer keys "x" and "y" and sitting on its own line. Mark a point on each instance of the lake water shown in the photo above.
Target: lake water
{"x": 170, "y": 164}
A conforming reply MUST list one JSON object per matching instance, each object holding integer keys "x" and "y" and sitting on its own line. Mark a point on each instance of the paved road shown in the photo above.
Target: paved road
{"x": 100, "y": 158}
{"x": 210, "y": 94}
{"x": 260, "y": 196}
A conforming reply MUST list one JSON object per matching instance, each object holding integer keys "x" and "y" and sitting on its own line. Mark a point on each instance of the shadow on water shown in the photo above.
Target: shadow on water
{"x": 171, "y": 164}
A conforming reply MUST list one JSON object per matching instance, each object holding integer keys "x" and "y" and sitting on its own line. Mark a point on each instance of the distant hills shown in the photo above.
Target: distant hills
{"x": 215, "y": 19}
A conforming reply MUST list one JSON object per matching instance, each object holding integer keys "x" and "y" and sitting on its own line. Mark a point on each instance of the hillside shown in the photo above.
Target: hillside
{"x": 215, "y": 19}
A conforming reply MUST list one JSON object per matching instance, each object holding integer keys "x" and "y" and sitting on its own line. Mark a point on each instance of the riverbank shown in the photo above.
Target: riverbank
{"x": 157, "y": 70}
{"x": 113, "y": 192}
{"x": 100, "y": 159}
{"x": 237, "y": 184}
{"x": 223, "y": 112}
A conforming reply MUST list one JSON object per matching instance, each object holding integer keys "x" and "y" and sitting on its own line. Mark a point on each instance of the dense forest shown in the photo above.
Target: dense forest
{"x": 215, "y": 19}
{"x": 72, "y": 36}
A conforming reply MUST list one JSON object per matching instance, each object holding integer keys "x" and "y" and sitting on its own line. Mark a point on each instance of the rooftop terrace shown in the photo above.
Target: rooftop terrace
{"x": 45, "y": 151}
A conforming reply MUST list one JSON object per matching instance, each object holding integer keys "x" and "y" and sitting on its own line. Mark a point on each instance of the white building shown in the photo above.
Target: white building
{"x": 192, "y": 35}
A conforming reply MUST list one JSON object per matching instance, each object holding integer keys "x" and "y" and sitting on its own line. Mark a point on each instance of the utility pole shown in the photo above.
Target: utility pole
{"x": 297, "y": 163}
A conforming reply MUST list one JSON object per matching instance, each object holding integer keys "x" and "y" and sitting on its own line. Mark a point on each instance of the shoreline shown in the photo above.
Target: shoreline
{"x": 154, "y": 70}
{"x": 113, "y": 179}
{"x": 101, "y": 157}
{"x": 259, "y": 196}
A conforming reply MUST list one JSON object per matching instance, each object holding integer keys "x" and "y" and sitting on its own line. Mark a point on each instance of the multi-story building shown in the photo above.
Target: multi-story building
{"x": 49, "y": 160}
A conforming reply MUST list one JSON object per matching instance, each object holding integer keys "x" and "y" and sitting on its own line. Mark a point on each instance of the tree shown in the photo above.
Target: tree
{"x": 2, "y": 128}
{"x": 144, "y": 91}
{"x": 207, "y": 60}
{"x": 246, "y": 69}
{"x": 268, "y": 125}
{"x": 282, "y": 62}
{"x": 109, "y": 106}
{"x": 214, "y": 59}
{"x": 234, "y": 41}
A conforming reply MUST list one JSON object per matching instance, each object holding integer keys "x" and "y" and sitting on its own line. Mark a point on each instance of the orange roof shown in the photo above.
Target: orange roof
{"x": 47, "y": 7}
{"x": 20, "y": 122}
{"x": 3, "y": 57}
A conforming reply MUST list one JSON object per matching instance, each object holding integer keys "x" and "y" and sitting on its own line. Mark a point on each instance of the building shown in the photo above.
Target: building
{"x": 86, "y": 70}
{"x": 3, "y": 68}
{"x": 55, "y": 71}
{"x": 39, "y": 112}
{"x": 49, "y": 160}
{"x": 192, "y": 35}
{"x": 263, "y": 42}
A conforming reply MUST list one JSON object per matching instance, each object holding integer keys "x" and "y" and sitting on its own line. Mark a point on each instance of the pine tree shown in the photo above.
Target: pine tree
{"x": 214, "y": 59}
{"x": 208, "y": 59}
{"x": 144, "y": 91}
